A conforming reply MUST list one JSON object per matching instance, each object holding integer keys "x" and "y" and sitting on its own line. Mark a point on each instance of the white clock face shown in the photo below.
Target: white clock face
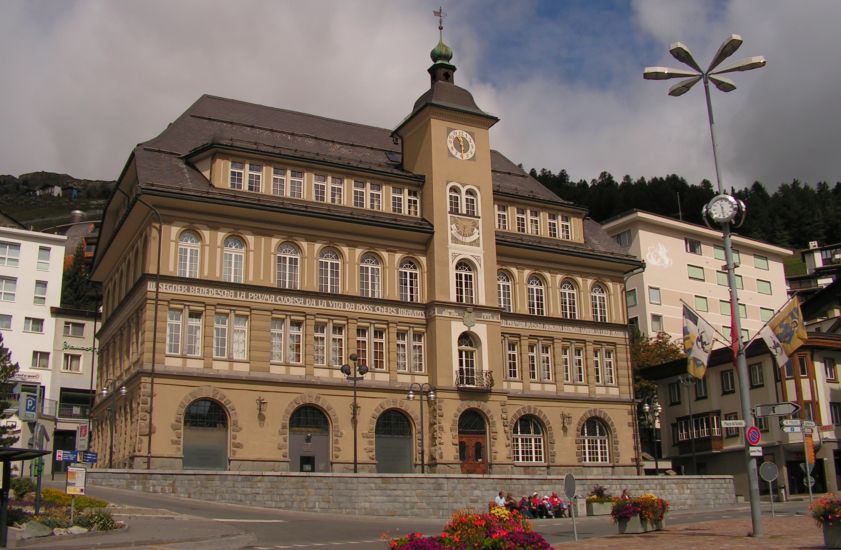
{"x": 723, "y": 208}
{"x": 461, "y": 144}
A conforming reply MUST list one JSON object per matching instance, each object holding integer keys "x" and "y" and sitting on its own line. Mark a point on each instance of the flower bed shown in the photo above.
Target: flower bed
{"x": 54, "y": 513}
{"x": 498, "y": 529}
{"x": 639, "y": 514}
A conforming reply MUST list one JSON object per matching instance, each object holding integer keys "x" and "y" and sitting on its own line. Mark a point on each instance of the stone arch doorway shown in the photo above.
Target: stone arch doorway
{"x": 309, "y": 440}
{"x": 393, "y": 443}
{"x": 205, "y": 444}
{"x": 473, "y": 442}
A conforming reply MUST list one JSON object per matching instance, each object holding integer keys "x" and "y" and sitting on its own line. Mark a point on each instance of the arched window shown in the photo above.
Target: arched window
{"x": 188, "y": 254}
{"x": 233, "y": 257}
{"x": 536, "y": 296}
{"x": 309, "y": 419}
{"x": 503, "y": 289}
{"x": 528, "y": 440}
{"x": 569, "y": 302}
{"x": 470, "y": 202}
{"x": 455, "y": 200}
{"x": 464, "y": 283}
{"x": 288, "y": 265}
{"x": 205, "y": 444}
{"x": 409, "y": 281}
{"x": 467, "y": 367}
{"x": 595, "y": 443}
{"x": 329, "y": 271}
{"x": 598, "y": 298}
{"x": 369, "y": 276}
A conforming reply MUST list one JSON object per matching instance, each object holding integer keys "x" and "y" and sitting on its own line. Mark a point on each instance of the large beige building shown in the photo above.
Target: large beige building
{"x": 684, "y": 262}
{"x": 249, "y": 251}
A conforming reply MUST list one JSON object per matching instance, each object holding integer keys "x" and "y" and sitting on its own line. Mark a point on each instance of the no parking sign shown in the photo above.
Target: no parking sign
{"x": 753, "y": 436}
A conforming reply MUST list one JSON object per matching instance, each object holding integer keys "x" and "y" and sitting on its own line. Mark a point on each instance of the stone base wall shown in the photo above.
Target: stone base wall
{"x": 431, "y": 495}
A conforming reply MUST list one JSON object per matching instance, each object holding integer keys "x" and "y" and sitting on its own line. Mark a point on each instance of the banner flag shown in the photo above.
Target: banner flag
{"x": 698, "y": 338}
{"x": 785, "y": 332}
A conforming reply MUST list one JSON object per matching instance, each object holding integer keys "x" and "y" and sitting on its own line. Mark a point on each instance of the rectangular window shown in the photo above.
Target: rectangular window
{"x": 296, "y": 184}
{"x": 40, "y": 297}
{"x": 8, "y": 289}
{"x": 695, "y": 272}
{"x": 418, "y": 353}
{"x": 808, "y": 411}
{"x": 9, "y": 254}
{"x": 580, "y": 376}
{"x": 40, "y": 360}
{"x": 502, "y": 217}
{"x": 623, "y": 239}
{"x": 553, "y": 225}
{"x": 33, "y": 324}
{"x": 566, "y": 227}
{"x": 337, "y": 344}
{"x": 43, "y": 258}
{"x": 277, "y": 339}
{"x": 546, "y": 362}
{"x": 631, "y": 297}
{"x": 192, "y": 343}
{"x": 701, "y": 388}
{"x": 173, "y": 332}
{"x": 413, "y": 203}
{"x": 765, "y": 314}
{"x": 835, "y": 413}
{"x": 566, "y": 360}
{"x": 718, "y": 252}
{"x": 829, "y": 368}
{"x": 337, "y": 190}
{"x": 512, "y": 360}
{"x": 763, "y": 287}
{"x": 532, "y": 362}
{"x": 362, "y": 346}
{"x": 597, "y": 366}
{"x": 757, "y": 378}
{"x": 296, "y": 338}
{"x": 789, "y": 369}
{"x": 278, "y": 181}
{"x": 402, "y": 351}
{"x": 521, "y": 220}
{"x": 760, "y": 262}
{"x": 731, "y": 432}
{"x": 609, "y": 369}
{"x": 724, "y": 309}
{"x": 74, "y": 330}
{"x": 656, "y": 323}
{"x": 721, "y": 278}
{"x": 320, "y": 344}
{"x": 674, "y": 393}
{"x": 379, "y": 349}
{"x": 319, "y": 187}
{"x": 701, "y": 303}
{"x": 396, "y": 200}
{"x": 728, "y": 384}
{"x": 762, "y": 423}
{"x": 236, "y": 175}
{"x": 534, "y": 222}
{"x": 654, "y": 295}
{"x": 693, "y": 246}
{"x": 801, "y": 362}
{"x": 72, "y": 363}
{"x": 5, "y": 321}
{"x": 239, "y": 341}
{"x": 255, "y": 178}
{"x": 375, "y": 197}
{"x": 220, "y": 335}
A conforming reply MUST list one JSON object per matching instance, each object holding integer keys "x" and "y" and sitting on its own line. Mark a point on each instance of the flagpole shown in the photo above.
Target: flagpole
{"x": 779, "y": 309}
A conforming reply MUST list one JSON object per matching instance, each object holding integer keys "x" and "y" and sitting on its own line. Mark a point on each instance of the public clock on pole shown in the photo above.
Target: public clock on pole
{"x": 461, "y": 144}
{"x": 723, "y": 208}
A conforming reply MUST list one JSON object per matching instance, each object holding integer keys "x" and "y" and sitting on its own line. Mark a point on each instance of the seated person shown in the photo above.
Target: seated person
{"x": 537, "y": 508}
{"x": 557, "y": 505}
{"x": 499, "y": 499}
{"x": 525, "y": 507}
{"x": 510, "y": 503}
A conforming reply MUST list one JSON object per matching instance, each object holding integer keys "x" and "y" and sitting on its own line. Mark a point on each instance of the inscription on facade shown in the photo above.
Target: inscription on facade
{"x": 562, "y": 327}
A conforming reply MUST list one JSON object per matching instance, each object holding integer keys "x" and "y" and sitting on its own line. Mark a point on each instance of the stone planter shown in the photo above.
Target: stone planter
{"x": 599, "y": 508}
{"x": 832, "y": 535}
{"x": 635, "y": 525}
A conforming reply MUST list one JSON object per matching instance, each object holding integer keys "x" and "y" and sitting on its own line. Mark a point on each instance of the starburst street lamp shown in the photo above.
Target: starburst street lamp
{"x": 723, "y": 209}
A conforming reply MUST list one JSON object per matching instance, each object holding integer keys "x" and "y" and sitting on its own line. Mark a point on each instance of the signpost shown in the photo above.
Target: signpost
{"x": 569, "y": 491}
{"x": 769, "y": 471}
{"x": 28, "y": 407}
{"x": 809, "y": 457}
{"x": 777, "y": 409}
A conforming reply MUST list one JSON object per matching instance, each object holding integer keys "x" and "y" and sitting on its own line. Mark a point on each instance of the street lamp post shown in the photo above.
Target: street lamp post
{"x": 425, "y": 390}
{"x": 723, "y": 209}
{"x": 652, "y": 417}
{"x": 354, "y": 374}
{"x": 109, "y": 387}
{"x": 689, "y": 381}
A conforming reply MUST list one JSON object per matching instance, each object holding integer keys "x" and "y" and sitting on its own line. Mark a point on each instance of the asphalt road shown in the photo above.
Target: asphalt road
{"x": 279, "y": 529}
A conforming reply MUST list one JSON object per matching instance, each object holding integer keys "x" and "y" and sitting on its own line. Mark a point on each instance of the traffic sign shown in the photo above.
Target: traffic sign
{"x": 89, "y": 457}
{"x": 769, "y": 471}
{"x": 732, "y": 423}
{"x": 808, "y": 424}
{"x": 569, "y": 486}
{"x": 792, "y": 429}
{"x": 790, "y": 422}
{"x": 776, "y": 409}
{"x": 753, "y": 436}
{"x": 67, "y": 456}
{"x": 28, "y": 407}
{"x": 756, "y": 451}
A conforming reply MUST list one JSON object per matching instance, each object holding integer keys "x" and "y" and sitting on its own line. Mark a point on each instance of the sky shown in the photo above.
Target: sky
{"x": 84, "y": 81}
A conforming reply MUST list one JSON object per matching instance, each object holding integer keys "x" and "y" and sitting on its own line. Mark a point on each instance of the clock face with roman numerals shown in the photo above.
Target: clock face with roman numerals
{"x": 461, "y": 144}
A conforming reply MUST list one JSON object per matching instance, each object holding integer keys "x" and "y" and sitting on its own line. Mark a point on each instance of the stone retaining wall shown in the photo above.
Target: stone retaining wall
{"x": 431, "y": 495}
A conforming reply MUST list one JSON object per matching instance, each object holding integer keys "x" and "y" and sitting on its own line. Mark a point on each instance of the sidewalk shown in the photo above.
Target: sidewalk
{"x": 778, "y": 533}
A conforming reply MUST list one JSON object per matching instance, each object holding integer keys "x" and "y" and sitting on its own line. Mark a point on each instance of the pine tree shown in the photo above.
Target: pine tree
{"x": 8, "y": 369}
{"x": 77, "y": 290}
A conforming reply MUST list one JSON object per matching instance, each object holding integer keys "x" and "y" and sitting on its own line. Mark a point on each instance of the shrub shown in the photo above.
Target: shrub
{"x": 54, "y": 517}
{"x": 96, "y": 520}
{"x": 60, "y": 497}
{"x": 826, "y": 510}
{"x": 22, "y": 486}
{"x": 599, "y": 494}
{"x": 16, "y": 516}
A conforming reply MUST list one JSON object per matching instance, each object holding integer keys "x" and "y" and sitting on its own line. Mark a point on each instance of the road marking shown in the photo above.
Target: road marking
{"x": 235, "y": 520}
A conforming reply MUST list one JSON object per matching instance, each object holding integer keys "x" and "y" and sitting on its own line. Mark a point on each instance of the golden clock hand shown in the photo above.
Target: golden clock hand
{"x": 461, "y": 143}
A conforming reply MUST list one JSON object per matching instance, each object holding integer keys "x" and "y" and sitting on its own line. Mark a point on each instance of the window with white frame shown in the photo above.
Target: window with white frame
{"x": 40, "y": 359}
{"x": 566, "y": 362}
{"x": 329, "y": 271}
{"x": 465, "y": 283}
{"x": 233, "y": 258}
{"x": 413, "y": 203}
{"x": 578, "y": 364}
{"x": 236, "y": 175}
{"x": 255, "y": 178}
{"x": 43, "y": 258}
{"x": 728, "y": 384}
{"x": 470, "y": 203}
{"x": 173, "y": 331}
{"x": 654, "y": 295}
{"x": 656, "y": 323}
{"x": 520, "y": 218}
{"x": 553, "y": 225}
{"x": 230, "y": 336}
{"x": 5, "y": 321}
{"x": 369, "y": 276}
{"x": 757, "y": 378}
{"x": 296, "y": 184}
{"x": 369, "y": 195}
{"x": 693, "y": 246}
{"x": 512, "y": 359}
{"x": 370, "y": 347}
{"x": 534, "y": 222}
{"x": 609, "y": 368}
{"x": 502, "y": 217}
{"x": 294, "y": 350}
{"x": 631, "y": 297}
{"x": 454, "y": 200}
{"x": 569, "y": 300}
{"x": 33, "y": 324}
{"x": 40, "y": 297}
{"x": 190, "y": 334}
{"x": 278, "y": 181}
{"x": 829, "y": 369}
{"x": 193, "y": 337}
{"x": 468, "y": 350}
{"x": 188, "y": 254}
{"x": 503, "y": 289}
{"x": 536, "y": 296}
{"x": 598, "y": 299}
{"x": 72, "y": 362}
{"x": 532, "y": 356}
{"x": 319, "y": 187}
{"x": 337, "y": 190}
{"x": 731, "y": 432}
{"x": 397, "y": 198}
{"x": 287, "y": 340}
{"x": 546, "y": 362}
{"x": 527, "y": 444}
{"x": 287, "y": 264}
{"x": 276, "y": 336}
{"x": 73, "y": 330}
{"x": 409, "y": 282}
{"x": 763, "y": 287}
{"x": 566, "y": 227}
{"x": 674, "y": 393}
{"x": 700, "y": 388}
{"x": 760, "y": 262}
{"x": 595, "y": 442}
{"x": 410, "y": 359}
{"x": 328, "y": 343}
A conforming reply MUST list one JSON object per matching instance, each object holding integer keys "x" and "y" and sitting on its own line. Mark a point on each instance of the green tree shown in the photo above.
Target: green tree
{"x": 77, "y": 290}
{"x": 648, "y": 351}
{"x": 8, "y": 369}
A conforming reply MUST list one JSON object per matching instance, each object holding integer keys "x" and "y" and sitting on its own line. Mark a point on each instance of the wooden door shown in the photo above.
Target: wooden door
{"x": 472, "y": 452}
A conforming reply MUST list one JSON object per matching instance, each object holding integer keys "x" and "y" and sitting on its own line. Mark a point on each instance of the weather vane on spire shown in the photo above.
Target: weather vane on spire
{"x": 440, "y": 14}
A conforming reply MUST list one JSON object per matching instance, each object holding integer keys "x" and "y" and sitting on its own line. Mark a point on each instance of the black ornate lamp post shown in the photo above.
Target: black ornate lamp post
{"x": 109, "y": 387}
{"x": 427, "y": 391}
{"x": 354, "y": 374}
{"x": 690, "y": 381}
{"x": 652, "y": 418}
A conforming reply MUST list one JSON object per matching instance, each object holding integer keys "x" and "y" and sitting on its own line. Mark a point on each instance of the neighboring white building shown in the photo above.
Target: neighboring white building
{"x": 823, "y": 263}
{"x": 684, "y": 261}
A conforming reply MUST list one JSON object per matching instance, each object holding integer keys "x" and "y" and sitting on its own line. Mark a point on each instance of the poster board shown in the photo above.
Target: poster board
{"x": 75, "y": 481}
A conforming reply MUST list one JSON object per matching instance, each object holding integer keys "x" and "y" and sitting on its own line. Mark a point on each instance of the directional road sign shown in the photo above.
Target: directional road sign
{"x": 776, "y": 409}
{"x": 732, "y": 423}
{"x": 790, "y": 422}
{"x": 808, "y": 424}
{"x": 792, "y": 429}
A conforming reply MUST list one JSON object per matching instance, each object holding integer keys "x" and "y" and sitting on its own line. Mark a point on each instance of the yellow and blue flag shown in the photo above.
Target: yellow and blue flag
{"x": 697, "y": 342}
{"x": 785, "y": 332}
